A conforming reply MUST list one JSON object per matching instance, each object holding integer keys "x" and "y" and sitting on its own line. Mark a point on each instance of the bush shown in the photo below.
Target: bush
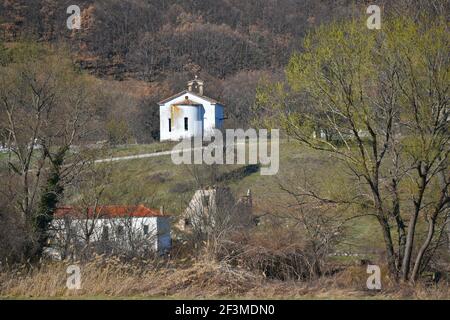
{"x": 276, "y": 254}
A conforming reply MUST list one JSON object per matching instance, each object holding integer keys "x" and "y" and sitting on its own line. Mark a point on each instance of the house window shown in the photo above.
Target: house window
{"x": 170, "y": 125}
{"x": 205, "y": 201}
{"x": 120, "y": 231}
{"x": 105, "y": 233}
{"x": 185, "y": 124}
{"x": 146, "y": 229}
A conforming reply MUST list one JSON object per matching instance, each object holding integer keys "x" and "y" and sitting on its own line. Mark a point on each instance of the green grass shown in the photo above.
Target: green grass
{"x": 3, "y": 155}
{"x": 158, "y": 182}
{"x": 128, "y": 150}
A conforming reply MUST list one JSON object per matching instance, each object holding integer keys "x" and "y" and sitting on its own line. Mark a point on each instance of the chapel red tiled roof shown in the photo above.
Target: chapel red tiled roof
{"x": 107, "y": 212}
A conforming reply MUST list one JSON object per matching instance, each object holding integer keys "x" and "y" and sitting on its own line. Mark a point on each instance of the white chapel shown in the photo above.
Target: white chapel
{"x": 189, "y": 113}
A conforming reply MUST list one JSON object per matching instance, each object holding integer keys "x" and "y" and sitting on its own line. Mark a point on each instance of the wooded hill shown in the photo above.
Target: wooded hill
{"x": 147, "y": 39}
{"x": 231, "y": 44}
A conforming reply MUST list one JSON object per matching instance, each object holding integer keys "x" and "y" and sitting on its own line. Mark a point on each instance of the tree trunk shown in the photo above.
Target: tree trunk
{"x": 400, "y": 226}
{"x": 418, "y": 264}
{"x": 423, "y": 173}
{"x": 48, "y": 202}
{"x": 389, "y": 246}
{"x": 409, "y": 246}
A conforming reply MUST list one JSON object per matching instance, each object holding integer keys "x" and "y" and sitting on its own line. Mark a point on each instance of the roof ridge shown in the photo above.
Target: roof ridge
{"x": 187, "y": 91}
{"x": 110, "y": 211}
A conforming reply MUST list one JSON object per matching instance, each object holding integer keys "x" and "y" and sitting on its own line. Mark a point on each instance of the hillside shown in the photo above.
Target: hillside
{"x": 231, "y": 44}
{"x": 150, "y": 40}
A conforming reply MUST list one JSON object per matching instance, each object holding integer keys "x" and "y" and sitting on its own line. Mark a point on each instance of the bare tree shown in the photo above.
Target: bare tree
{"x": 46, "y": 108}
{"x": 214, "y": 214}
{"x": 383, "y": 101}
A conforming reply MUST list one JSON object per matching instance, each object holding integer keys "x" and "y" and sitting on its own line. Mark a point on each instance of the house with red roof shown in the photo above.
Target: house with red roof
{"x": 134, "y": 228}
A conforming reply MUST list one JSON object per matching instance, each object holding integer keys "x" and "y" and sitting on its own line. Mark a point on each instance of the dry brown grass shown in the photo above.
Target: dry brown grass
{"x": 111, "y": 278}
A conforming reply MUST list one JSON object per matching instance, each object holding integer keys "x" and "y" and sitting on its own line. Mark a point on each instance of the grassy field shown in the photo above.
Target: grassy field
{"x": 158, "y": 182}
{"x": 127, "y": 150}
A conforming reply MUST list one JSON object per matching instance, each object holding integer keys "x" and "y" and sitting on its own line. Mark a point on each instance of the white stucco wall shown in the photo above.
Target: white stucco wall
{"x": 158, "y": 237}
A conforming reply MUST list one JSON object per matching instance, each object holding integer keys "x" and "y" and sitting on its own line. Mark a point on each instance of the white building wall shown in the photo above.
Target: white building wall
{"x": 198, "y": 207}
{"x": 206, "y": 113}
{"x": 158, "y": 237}
{"x": 209, "y": 120}
{"x": 164, "y": 116}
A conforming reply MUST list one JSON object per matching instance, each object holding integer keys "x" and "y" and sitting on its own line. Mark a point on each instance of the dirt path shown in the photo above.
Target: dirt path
{"x": 150, "y": 155}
